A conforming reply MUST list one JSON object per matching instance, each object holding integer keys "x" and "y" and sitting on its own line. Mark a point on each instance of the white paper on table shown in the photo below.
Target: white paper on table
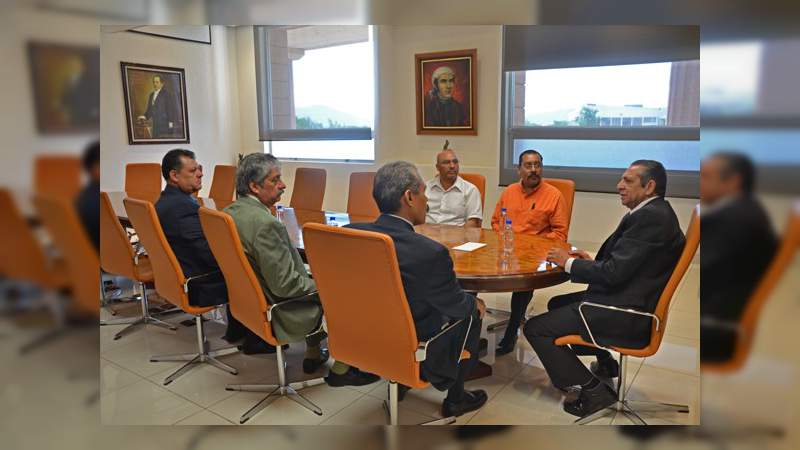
{"x": 469, "y": 246}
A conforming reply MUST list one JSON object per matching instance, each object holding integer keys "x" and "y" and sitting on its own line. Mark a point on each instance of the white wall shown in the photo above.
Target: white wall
{"x": 213, "y": 108}
{"x": 595, "y": 215}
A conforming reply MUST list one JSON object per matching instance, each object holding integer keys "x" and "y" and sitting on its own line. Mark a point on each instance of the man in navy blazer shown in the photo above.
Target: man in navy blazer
{"x": 177, "y": 211}
{"x": 630, "y": 271}
{"x": 434, "y": 296}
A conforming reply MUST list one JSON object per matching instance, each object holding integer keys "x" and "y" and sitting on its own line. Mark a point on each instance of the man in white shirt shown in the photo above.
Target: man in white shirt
{"x": 451, "y": 199}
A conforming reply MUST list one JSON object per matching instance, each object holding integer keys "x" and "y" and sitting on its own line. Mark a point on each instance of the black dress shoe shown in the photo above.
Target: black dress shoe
{"x": 504, "y": 347}
{"x": 353, "y": 377}
{"x": 311, "y": 365}
{"x": 232, "y": 339}
{"x": 256, "y": 348}
{"x": 605, "y": 369}
{"x": 590, "y": 401}
{"x": 470, "y": 401}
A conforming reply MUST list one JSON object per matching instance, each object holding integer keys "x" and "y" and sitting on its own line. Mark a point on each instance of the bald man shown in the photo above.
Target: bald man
{"x": 451, "y": 199}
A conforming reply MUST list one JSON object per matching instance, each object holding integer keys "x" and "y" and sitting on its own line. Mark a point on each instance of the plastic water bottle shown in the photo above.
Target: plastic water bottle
{"x": 508, "y": 237}
{"x": 332, "y": 221}
{"x": 279, "y": 213}
{"x": 503, "y": 217}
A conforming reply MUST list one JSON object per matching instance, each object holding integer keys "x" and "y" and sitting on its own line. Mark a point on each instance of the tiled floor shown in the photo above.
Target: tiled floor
{"x": 519, "y": 389}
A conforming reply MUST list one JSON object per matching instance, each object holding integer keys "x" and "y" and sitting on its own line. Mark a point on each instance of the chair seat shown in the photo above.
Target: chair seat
{"x": 576, "y": 339}
{"x": 58, "y": 274}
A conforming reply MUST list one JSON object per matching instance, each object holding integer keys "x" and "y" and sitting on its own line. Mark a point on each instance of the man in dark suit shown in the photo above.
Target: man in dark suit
{"x": 738, "y": 245}
{"x": 88, "y": 201}
{"x": 630, "y": 271}
{"x": 434, "y": 295}
{"x": 161, "y": 110}
{"x": 177, "y": 212}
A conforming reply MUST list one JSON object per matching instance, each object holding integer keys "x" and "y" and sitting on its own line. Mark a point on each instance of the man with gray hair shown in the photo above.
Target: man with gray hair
{"x": 279, "y": 268}
{"x": 441, "y": 109}
{"x": 434, "y": 296}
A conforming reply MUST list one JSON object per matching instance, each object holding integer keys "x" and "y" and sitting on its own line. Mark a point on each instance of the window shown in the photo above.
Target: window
{"x": 316, "y": 91}
{"x": 592, "y": 99}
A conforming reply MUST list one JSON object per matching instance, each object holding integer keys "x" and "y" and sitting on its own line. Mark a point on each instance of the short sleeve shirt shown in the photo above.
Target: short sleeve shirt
{"x": 454, "y": 206}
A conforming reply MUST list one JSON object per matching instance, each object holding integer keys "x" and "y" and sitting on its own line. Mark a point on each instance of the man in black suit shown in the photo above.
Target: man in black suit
{"x": 434, "y": 295}
{"x": 630, "y": 271}
{"x": 177, "y": 212}
{"x": 88, "y": 202}
{"x": 160, "y": 109}
{"x": 738, "y": 245}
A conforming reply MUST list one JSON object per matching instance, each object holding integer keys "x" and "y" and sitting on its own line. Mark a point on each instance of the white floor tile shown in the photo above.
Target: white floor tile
{"x": 144, "y": 403}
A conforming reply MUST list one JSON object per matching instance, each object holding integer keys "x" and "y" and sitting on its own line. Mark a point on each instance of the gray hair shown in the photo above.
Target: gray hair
{"x": 442, "y": 70}
{"x": 391, "y": 181}
{"x": 253, "y": 168}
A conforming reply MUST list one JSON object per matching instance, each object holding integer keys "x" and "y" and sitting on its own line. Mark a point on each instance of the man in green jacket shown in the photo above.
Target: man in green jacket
{"x": 279, "y": 268}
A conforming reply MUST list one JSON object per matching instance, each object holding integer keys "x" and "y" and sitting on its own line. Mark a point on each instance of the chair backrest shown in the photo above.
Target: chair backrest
{"x": 359, "y": 195}
{"x": 309, "y": 189}
{"x": 749, "y": 320}
{"x": 369, "y": 321}
{"x": 143, "y": 181}
{"x": 245, "y": 297}
{"x": 169, "y": 277}
{"x": 567, "y": 188}
{"x": 21, "y": 255}
{"x": 223, "y": 185}
{"x": 116, "y": 252}
{"x": 57, "y": 176}
{"x": 61, "y": 220}
{"x": 662, "y": 307}
{"x": 479, "y": 181}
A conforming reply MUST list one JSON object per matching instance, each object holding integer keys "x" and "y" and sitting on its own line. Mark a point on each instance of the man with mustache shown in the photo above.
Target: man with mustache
{"x": 279, "y": 268}
{"x": 451, "y": 199}
{"x": 534, "y": 207}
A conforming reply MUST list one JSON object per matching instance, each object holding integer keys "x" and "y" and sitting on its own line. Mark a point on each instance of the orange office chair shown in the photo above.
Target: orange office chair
{"x": 69, "y": 236}
{"x": 567, "y": 188}
{"x": 372, "y": 332}
{"x": 57, "y": 175}
{"x": 143, "y": 181}
{"x": 746, "y": 327}
{"x": 479, "y": 181}
{"x": 223, "y": 185}
{"x": 250, "y": 307}
{"x": 309, "y": 189}
{"x": 659, "y": 316}
{"x": 21, "y": 255}
{"x": 359, "y": 197}
{"x": 117, "y": 256}
{"x": 173, "y": 285}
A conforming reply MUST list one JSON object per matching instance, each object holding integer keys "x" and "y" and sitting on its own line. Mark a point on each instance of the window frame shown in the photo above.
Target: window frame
{"x": 267, "y": 132}
{"x": 682, "y": 183}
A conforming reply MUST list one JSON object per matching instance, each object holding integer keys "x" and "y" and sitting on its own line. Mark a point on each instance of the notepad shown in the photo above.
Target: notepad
{"x": 469, "y": 246}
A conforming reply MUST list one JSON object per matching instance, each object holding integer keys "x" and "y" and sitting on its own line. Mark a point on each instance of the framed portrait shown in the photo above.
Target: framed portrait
{"x": 155, "y": 104}
{"x": 66, "y": 87}
{"x": 446, "y": 96}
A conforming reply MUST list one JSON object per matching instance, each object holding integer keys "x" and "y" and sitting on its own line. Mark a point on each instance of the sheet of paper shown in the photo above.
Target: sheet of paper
{"x": 469, "y": 246}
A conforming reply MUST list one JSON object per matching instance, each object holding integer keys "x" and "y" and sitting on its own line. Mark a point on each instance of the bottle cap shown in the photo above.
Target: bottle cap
{"x": 508, "y": 221}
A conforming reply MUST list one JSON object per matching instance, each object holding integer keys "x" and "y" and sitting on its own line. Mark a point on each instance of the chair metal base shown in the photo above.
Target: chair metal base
{"x": 204, "y": 355}
{"x": 393, "y": 413}
{"x": 630, "y": 408}
{"x": 282, "y": 389}
{"x": 497, "y": 313}
{"x": 135, "y": 323}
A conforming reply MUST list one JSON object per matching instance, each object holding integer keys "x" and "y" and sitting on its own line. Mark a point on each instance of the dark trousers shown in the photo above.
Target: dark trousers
{"x": 561, "y": 362}
{"x": 472, "y": 345}
{"x": 519, "y": 304}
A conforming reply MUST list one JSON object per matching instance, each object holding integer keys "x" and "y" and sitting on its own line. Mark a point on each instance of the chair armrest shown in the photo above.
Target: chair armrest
{"x": 422, "y": 348}
{"x": 186, "y": 283}
{"x": 720, "y": 324}
{"x": 290, "y": 300}
{"x": 612, "y": 308}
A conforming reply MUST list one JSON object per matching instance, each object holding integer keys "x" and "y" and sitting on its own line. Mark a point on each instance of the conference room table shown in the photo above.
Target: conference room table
{"x": 487, "y": 269}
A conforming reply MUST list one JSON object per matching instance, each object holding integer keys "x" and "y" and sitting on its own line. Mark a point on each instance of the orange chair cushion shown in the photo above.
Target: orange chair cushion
{"x": 576, "y": 339}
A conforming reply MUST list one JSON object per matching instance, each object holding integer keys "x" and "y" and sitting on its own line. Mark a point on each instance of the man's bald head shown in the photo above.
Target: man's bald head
{"x": 447, "y": 165}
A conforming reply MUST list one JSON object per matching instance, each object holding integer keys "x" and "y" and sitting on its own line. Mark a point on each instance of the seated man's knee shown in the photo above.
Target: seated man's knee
{"x": 531, "y": 328}
{"x": 560, "y": 301}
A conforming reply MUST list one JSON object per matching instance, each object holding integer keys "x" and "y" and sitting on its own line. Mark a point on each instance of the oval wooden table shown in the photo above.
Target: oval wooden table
{"x": 483, "y": 270}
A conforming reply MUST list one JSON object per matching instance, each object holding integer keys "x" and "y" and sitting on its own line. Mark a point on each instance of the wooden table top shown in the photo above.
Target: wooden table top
{"x": 482, "y": 270}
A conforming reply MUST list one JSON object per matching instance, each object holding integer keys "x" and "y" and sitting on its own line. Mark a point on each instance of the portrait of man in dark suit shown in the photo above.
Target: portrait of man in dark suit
{"x": 160, "y": 110}
{"x": 155, "y": 104}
